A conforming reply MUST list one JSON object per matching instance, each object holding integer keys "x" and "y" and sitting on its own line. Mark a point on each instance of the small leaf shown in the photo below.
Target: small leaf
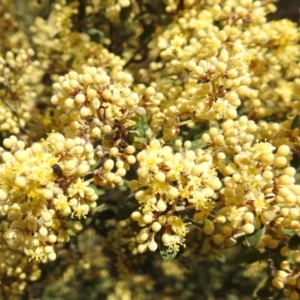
{"x": 165, "y": 252}
{"x": 146, "y": 35}
{"x": 141, "y": 15}
{"x": 3, "y": 86}
{"x": 96, "y": 32}
{"x": 125, "y": 186}
{"x": 150, "y": 9}
{"x": 124, "y": 213}
{"x": 196, "y": 144}
{"x": 296, "y": 122}
{"x": 266, "y": 292}
{"x": 101, "y": 208}
{"x": 166, "y": 19}
{"x": 138, "y": 134}
{"x": 254, "y": 238}
{"x": 253, "y": 256}
{"x": 81, "y": 9}
{"x": 295, "y": 162}
{"x": 125, "y": 13}
{"x": 126, "y": 207}
{"x": 104, "y": 212}
{"x": 294, "y": 242}
{"x": 198, "y": 224}
{"x": 289, "y": 232}
{"x": 276, "y": 258}
{"x": 70, "y": 232}
{"x": 142, "y": 126}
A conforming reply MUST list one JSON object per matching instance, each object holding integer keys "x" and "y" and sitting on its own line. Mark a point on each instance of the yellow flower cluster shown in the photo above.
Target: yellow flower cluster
{"x": 183, "y": 114}
{"x": 15, "y": 76}
{"x": 53, "y": 37}
{"x": 212, "y": 93}
{"x": 287, "y": 276}
{"x": 94, "y": 96}
{"x": 173, "y": 184}
{"x": 16, "y": 272}
{"x": 258, "y": 182}
{"x": 40, "y": 187}
{"x": 97, "y": 107}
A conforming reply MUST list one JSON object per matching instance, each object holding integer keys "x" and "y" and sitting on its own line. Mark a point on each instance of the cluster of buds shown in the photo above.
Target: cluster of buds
{"x": 40, "y": 188}
{"x": 16, "y": 71}
{"x": 173, "y": 185}
{"x": 287, "y": 277}
{"x": 215, "y": 82}
{"x": 95, "y": 106}
{"x": 102, "y": 109}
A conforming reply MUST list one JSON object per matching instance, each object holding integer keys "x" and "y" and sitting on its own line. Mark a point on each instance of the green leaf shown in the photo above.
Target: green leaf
{"x": 253, "y": 256}
{"x": 150, "y": 9}
{"x": 124, "y": 213}
{"x": 142, "y": 126}
{"x": 101, "y": 208}
{"x": 295, "y": 162}
{"x": 70, "y": 232}
{"x": 198, "y": 144}
{"x": 98, "y": 33}
{"x": 276, "y": 258}
{"x": 294, "y": 242}
{"x": 141, "y": 15}
{"x": 81, "y": 9}
{"x": 106, "y": 215}
{"x": 3, "y": 86}
{"x": 264, "y": 289}
{"x": 145, "y": 37}
{"x": 191, "y": 220}
{"x": 125, "y": 13}
{"x": 125, "y": 186}
{"x": 289, "y": 232}
{"x": 165, "y": 252}
{"x": 254, "y": 238}
{"x": 166, "y": 19}
{"x": 296, "y": 122}
{"x": 266, "y": 292}
{"x": 138, "y": 134}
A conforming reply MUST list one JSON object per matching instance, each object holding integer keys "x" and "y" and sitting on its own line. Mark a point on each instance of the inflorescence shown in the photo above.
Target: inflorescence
{"x": 199, "y": 124}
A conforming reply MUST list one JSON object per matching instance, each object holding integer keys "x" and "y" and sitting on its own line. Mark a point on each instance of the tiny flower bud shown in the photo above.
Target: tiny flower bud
{"x": 152, "y": 246}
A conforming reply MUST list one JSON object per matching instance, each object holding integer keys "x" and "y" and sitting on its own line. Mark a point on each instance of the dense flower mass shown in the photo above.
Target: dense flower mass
{"x": 142, "y": 138}
{"x": 175, "y": 184}
{"x": 40, "y": 187}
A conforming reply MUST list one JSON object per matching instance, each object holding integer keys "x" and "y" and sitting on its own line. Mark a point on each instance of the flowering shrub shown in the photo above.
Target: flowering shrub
{"x": 142, "y": 138}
